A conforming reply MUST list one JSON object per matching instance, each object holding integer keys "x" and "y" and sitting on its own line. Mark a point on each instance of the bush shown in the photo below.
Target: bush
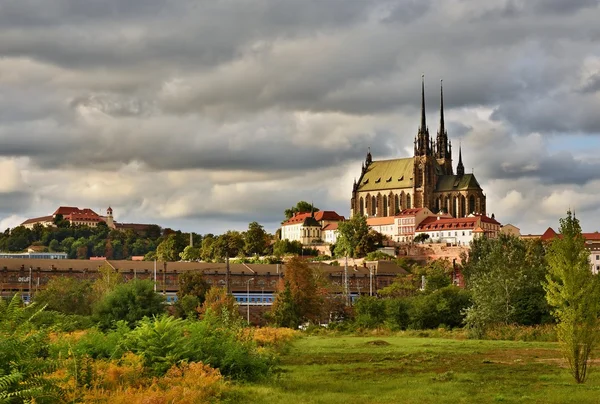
{"x": 370, "y": 312}
{"x": 396, "y": 313}
{"x": 444, "y": 306}
{"x": 129, "y": 302}
{"x": 227, "y": 350}
{"x": 62, "y": 322}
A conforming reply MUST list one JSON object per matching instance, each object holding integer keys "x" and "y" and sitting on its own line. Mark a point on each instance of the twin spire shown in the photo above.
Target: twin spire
{"x": 441, "y": 148}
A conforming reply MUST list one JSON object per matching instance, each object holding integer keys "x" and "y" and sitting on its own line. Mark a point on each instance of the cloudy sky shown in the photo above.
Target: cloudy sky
{"x": 205, "y": 115}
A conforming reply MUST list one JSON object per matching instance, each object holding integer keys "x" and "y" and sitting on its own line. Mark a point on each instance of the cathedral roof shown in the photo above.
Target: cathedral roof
{"x": 448, "y": 183}
{"x": 388, "y": 174}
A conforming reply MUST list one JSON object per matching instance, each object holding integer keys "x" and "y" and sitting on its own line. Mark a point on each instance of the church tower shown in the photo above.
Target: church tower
{"x": 443, "y": 148}
{"x": 424, "y": 178}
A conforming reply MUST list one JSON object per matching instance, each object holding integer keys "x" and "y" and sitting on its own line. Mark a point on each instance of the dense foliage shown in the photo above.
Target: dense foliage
{"x": 505, "y": 277}
{"x": 83, "y": 242}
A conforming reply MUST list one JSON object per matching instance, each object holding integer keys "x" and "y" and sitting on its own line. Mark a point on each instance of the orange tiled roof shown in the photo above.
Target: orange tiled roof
{"x": 38, "y": 219}
{"x": 378, "y": 221}
{"x": 330, "y": 226}
{"x": 320, "y": 215}
{"x": 447, "y": 224}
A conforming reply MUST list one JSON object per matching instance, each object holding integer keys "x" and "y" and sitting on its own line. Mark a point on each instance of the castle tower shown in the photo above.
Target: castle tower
{"x": 109, "y": 218}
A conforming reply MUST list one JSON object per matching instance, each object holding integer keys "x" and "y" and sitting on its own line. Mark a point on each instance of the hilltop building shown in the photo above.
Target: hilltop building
{"x": 85, "y": 217}
{"x": 312, "y": 227}
{"x": 426, "y": 180}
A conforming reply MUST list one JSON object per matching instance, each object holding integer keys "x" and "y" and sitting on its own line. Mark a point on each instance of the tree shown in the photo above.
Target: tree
{"x": 190, "y": 254}
{"x": 129, "y": 302}
{"x": 192, "y": 283}
{"x": 255, "y": 239}
{"x": 108, "y": 279}
{"x": 220, "y": 307}
{"x": 67, "y": 295}
{"x": 302, "y": 281}
{"x": 285, "y": 247}
{"x": 229, "y": 245}
{"x": 421, "y": 238}
{"x": 501, "y": 273}
{"x": 353, "y": 238}
{"x": 574, "y": 293}
{"x": 301, "y": 207}
{"x": 285, "y": 312}
{"x": 167, "y": 250}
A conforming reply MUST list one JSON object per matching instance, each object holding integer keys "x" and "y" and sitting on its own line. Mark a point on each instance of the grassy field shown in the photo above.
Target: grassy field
{"x": 420, "y": 370}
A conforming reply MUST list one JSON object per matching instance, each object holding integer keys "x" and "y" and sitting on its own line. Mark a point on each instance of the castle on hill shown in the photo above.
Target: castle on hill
{"x": 85, "y": 217}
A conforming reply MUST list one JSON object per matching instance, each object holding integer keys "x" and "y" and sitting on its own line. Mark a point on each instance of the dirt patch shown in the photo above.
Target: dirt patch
{"x": 378, "y": 342}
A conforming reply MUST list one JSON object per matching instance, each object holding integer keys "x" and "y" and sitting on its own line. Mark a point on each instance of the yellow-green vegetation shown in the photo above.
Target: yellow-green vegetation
{"x": 349, "y": 369}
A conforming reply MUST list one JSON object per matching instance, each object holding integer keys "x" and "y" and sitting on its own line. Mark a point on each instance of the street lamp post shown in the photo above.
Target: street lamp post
{"x": 248, "y": 299}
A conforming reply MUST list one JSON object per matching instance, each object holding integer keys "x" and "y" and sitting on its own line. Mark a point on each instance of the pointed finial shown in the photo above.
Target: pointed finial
{"x": 460, "y": 168}
{"x": 423, "y": 122}
{"x": 442, "y": 128}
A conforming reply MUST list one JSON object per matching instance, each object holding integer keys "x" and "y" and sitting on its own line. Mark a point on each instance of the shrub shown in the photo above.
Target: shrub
{"x": 129, "y": 302}
{"x": 396, "y": 313}
{"x": 370, "y": 312}
{"x": 227, "y": 350}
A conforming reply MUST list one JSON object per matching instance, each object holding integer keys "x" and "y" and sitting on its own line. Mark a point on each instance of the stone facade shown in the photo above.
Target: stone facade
{"x": 386, "y": 187}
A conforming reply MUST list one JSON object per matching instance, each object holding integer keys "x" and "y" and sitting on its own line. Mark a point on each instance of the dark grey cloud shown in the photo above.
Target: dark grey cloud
{"x": 286, "y": 89}
{"x": 562, "y": 7}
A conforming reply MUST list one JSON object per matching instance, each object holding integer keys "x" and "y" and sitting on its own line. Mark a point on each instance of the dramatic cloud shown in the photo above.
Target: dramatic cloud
{"x": 207, "y": 115}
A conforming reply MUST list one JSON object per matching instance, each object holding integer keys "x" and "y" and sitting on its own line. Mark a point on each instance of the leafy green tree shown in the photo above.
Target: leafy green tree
{"x": 67, "y": 295}
{"x": 287, "y": 247}
{"x": 207, "y": 248}
{"x": 255, "y": 239}
{"x": 285, "y": 312}
{"x": 574, "y": 293}
{"x": 190, "y": 254}
{"x": 353, "y": 238}
{"x": 167, "y": 250}
{"x": 370, "y": 312}
{"x": 301, "y": 207}
{"x": 437, "y": 274}
{"x": 129, "y": 302}
{"x": 230, "y": 244}
{"x": 54, "y": 246}
{"x": 421, "y": 238}
{"x": 499, "y": 273}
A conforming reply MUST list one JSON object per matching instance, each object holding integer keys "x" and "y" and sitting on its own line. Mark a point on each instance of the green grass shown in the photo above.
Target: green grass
{"x": 419, "y": 370}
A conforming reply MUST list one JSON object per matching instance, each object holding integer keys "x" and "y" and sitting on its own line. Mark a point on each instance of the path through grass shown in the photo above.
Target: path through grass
{"x": 420, "y": 370}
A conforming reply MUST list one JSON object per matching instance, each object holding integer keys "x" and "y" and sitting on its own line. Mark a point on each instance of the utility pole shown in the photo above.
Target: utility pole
{"x": 227, "y": 286}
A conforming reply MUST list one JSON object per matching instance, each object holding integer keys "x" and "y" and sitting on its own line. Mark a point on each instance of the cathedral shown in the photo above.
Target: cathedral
{"x": 426, "y": 180}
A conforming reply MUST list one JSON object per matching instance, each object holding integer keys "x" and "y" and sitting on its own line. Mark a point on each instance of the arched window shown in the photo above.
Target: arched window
{"x": 437, "y": 205}
{"x": 407, "y": 201}
{"x": 462, "y": 203}
{"x": 362, "y": 206}
{"x": 373, "y": 206}
{"x": 397, "y": 208}
{"x": 471, "y": 204}
{"x": 385, "y": 205}
{"x": 455, "y": 207}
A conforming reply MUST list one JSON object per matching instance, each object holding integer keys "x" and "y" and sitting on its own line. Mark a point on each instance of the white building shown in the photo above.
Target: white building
{"x": 459, "y": 231}
{"x": 308, "y": 227}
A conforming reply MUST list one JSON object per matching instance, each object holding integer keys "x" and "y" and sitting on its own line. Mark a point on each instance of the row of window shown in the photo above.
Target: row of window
{"x": 394, "y": 205}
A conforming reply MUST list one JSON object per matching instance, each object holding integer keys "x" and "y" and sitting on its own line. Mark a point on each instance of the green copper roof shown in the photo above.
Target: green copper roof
{"x": 388, "y": 174}
{"x": 455, "y": 183}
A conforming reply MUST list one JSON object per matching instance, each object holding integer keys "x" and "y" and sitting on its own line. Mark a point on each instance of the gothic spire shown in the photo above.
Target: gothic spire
{"x": 460, "y": 169}
{"x": 442, "y": 128}
{"x": 423, "y": 123}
